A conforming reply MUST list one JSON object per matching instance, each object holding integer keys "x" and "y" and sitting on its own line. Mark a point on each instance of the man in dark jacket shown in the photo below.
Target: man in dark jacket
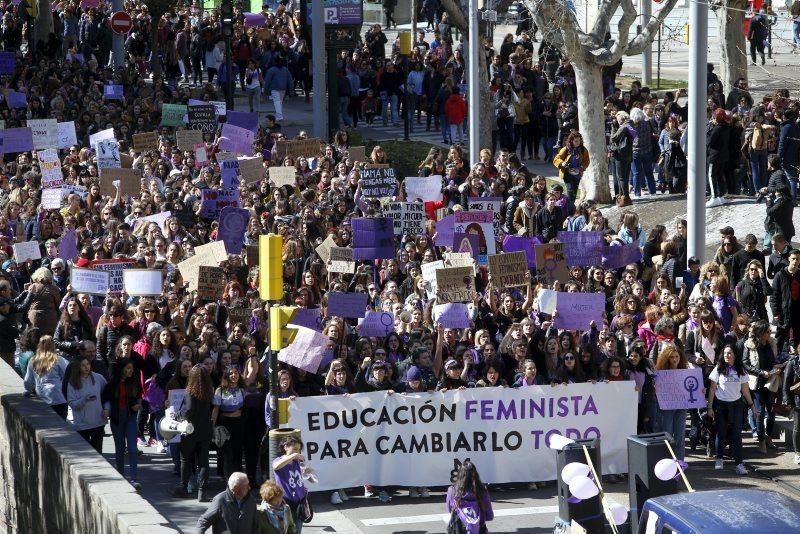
{"x": 757, "y": 36}
{"x": 109, "y": 335}
{"x": 778, "y": 255}
{"x": 231, "y": 512}
{"x": 744, "y": 256}
{"x": 717, "y": 149}
{"x": 789, "y": 148}
{"x": 779, "y": 214}
{"x": 785, "y": 300}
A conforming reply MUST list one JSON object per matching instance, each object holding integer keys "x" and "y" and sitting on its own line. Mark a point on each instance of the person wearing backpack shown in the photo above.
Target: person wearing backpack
{"x": 468, "y": 502}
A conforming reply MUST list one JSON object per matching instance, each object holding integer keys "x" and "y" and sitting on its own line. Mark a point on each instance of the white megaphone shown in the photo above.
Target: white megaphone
{"x": 171, "y": 428}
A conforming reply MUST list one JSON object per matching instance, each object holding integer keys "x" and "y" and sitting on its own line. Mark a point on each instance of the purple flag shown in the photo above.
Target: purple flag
{"x": 68, "y": 247}
{"x": 17, "y": 100}
{"x": 252, "y": 20}
{"x": 13, "y": 140}
{"x": 515, "y": 243}
{"x": 232, "y": 226}
{"x": 243, "y": 119}
{"x": 373, "y": 238}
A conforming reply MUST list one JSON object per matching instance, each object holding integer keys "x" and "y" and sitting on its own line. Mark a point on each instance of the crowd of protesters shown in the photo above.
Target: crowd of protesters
{"x": 116, "y": 357}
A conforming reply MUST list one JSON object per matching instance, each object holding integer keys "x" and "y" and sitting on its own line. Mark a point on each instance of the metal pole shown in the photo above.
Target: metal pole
{"x": 229, "y": 83}
{"x": 647, "y": 55}
{"x": 658, "y": 61}
{"x": 414, "y": 10}
{"x": 333, "y": 93}
{"x": 118, "y": 40}
{"x": 406, "y": 116}
{"x": 320, "y": 120}
{"x": 474, "y": 79}
{"x": 696, "y": 195}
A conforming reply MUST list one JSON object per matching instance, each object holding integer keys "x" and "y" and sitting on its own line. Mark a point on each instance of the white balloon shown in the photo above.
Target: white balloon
{"x": 666, "y": 469}
{"x": 618, "y": 513}
{"x": 574, "y": 469}
{"x": 558, "y": 442}
{"x": 583, "y": 487}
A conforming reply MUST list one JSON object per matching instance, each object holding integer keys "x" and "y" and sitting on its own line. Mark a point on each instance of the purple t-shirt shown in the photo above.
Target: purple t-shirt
{"x": 290, "y": 479}
{"x": 722, "y": 305}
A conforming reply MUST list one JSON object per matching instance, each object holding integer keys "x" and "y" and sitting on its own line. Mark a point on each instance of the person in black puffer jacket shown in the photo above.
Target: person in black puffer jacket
{"x": 110, "y": 334}
{"x": 73, "y": 327}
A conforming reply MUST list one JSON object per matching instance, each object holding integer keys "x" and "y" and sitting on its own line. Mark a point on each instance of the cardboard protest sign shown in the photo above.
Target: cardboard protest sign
{"x": 514, "y": 243}
{"x": 15, "y": 140}
{"x": 373, "y": 238}
{"x": 210, "y": 282}
{"x": 229, "y": 172}
{"x": 251, "y": 170}
{"x": 89, "y": 281}
{"x": 232, "y": 226}
{"x": 376, "y": 324}
{"x": 678, "y": 389}
{"x": 467, "y": 244}
{"x": 187, "y": 139}
{"x": 202, "y": 118}
{"x": 492, "y": 204}
{"x": 173, "y": 114}
{"x": 347, "y": 305}
{"x": 452, "y": 315}
{"x": 459, "y": 259}
{"x": 239, "y": 311}
{"x": 281, "y": 176}
{"x": 429, "y": 275}
{"x": 115, "y": 269}
{"x": 357, "y": 153}
{"x": 66, "y": 134}
{"x": 408, "y": 217}
{"x": 455, "y": 284}
{"x": 236, "y": 139}
{"x": 582, "y": 248}
{"x": 619, "y": 256}
{"x": 577, "y": 310}
{"x": 481, "y": 224}
{"x": 509, "y": 269}
{"x": 302, "y": 147}
{"x": 44, "y": 133}
{"x": 209, "y": 254}
{"x": 50, "y": 165}
{"x": 146, "y": 141}
{"x": 377, "y": 183}
{"x": 306, "y": 351}
{"x": 341, "y": 260}
{"x": 27, "y": 250}
{"x": 129, "y": 182}
{"x": 424, "y": 188}
{"x": 142, "y": 282}
{"x": 551, "y": 264}
{"x": 324, "y": 249}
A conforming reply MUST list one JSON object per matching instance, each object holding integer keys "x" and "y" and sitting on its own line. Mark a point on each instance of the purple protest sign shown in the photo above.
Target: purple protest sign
{"x": 516, "y": 243}
{"x": 616, "y": 257}
{"x": 243, "y": 119}
{"x": 467, "y": 243}
{"x": 452, "y": 315}
{"x": 582, "y": 248}
{"x": 373, "y": 238}
{"x": 678, "y": 389}
{"x": 445, "y": 229}
{"x": 254, "y": 20}
{"x": 232, "y": 226}
{"x": 113, "y": 92}
{"x": 347, "y": 305}
{"x": 229, "y": 172}
{"x": 236, "y": 139}
{"x": 308, "y": 317}
{"x": 68, "y": 247}
{"x": 13, "y": 140}
{"x": 577, "y": 310}
{"x": 8, "y": 63}
{"x": 376, "y": 324}
{"x": 17, "y": 100}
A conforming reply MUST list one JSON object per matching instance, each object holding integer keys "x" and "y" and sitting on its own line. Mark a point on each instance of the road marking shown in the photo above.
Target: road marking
{"x": 433, "y": 518}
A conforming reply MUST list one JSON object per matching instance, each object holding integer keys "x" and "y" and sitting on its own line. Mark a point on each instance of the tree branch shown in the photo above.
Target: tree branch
{"x": 456, "y": 15}
{"x": 648, "y": 33}
{"x": 603, "y": 21}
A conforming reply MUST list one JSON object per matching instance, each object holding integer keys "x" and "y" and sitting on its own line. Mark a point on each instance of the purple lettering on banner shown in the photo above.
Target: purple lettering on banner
{"x": 17, "y": 100}
{"x": 445, "y": 229}
{"x": 243, "y": 119}
{"x": 68, "y": 247}
{"x": 452, "y": 315}
{"x": 582, "y": 248}
{"x": 237, "y": 139}
{"x": 347, "y": 305}
{"x": 678, "y": 389}
{"x": 376, "y": 324}
{"x": 576, "y": 310}
{"x": 308, "y": 317}
{"x": 232, "y": 226}
{"x": 373, "y": 238}
{"x": 616, "y": 257}
{"x": 14, "y": 140}
{"x": 8, "y": 63}
{"x": 515, "y": 243}
{"x": 254, "y": 20}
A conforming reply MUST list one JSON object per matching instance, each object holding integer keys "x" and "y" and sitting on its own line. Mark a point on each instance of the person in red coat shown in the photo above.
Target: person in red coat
{"x": 455, "y": 108}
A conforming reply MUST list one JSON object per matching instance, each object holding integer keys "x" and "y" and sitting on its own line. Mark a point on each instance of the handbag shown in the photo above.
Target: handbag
{"x": 304, "y": 512}
{"x": 221, "y": 436}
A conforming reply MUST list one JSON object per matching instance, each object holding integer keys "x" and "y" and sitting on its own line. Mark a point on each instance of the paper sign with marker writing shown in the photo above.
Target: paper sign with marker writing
{"x": 678, "y": 389}
{"x": 455, "y": 284}
{"x": 424, "y": 188}
{"x": 66, "y": 134}
{"x": 408, "y": 217}
{"x": 378, "y": 183}
{"x": 229, "y": 171}
{"x": 44, "y": 133}
{"x": 306, "y": 351}
{"x": 173, "y": 114}
{"x": 452, "y": 315}
{"x": 146, "y": 141}
{"x": 376, "y": 324}
{"x": 50, "y": 165}
{"x": 209, "y": 254}
{"x": 551, "y": 264}
{"x": 51, "y": 198}
{"x": 187, "y": 139}
{"x": 27, "y": 250}
{"x": 202, "y": 118}
{"x": 373, "y": 238}
{"x": 281, "y": 176}
{"x": 492, "y": 204}
{"x": 89, "y": 281}
{"x": 514, "y": 243}
{"x": 347, "y": 305}
{"x": 142, "y": 282}
{"x": 509, "y": 269}
{"x": 429, "y": 275}
{"x": 341, "y": 260}
{"x": 577, "y": 310}
{"x": 582, "y": 248}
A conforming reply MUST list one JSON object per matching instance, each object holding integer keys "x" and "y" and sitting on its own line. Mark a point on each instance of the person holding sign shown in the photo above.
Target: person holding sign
{"x": 725, "y": 394}
{"x": 674, "y": 421}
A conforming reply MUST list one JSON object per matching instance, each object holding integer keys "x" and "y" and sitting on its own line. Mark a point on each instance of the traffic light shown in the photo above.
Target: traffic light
{"x": 279, "y": 335}
{"x": 226, "y": 15}
{"x": 270, "y": 267}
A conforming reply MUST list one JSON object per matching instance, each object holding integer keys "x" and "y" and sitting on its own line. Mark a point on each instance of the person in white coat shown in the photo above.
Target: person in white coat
{"x": 214, "y": 58}
{"x": 83, "y": 396}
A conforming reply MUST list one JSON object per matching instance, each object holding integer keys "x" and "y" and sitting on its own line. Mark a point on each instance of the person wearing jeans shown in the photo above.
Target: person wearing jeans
{"x": 122, "y": 399}
{"x": 791, "y": 398}
{"x": 673, "y": 421}
{"x": 758, "y": 356}
{"x": 277, "y": 81}
{"x": 642, "y": 167}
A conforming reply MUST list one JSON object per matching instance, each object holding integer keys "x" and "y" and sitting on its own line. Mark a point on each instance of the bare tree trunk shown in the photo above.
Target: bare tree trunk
{"x": 43, "y": 25}
{"x": 485, "y": 105}
{"x": 589, "y": 80}
{"x": 155, "y": 51}
{"x": 733, "y": 52}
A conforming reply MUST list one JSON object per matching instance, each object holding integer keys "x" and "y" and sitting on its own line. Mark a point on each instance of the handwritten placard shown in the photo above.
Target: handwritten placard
{"x": 373, "y": 238}
{"x": 492, "y": 204}
{"x": 455, "y": 284}
{"x": 173, "y": 114}
{"x": 236, "y": 139}
{"x": 210, "y": 282}
{"x": 509, "y": 269}
{"x": 377, "y": 183}
{"x": 66, "y": 134}
{"x": 44, "y": 133}
{"x": 347, "y": 305}
{"x": 424, "y": 188}
{"x": 341, "y": 260}
{"x": 50, "y": 165}
{"x": 145, "y": 141}
{"x": 678, "y": 389}
{"x": 301, "y": 147}
{"x": 582, "y": 248}
{"x": 27, "y": 250}
{"x": 202, "y": 118}
{"x": 376, "y": 324}
{"x": 51, "y": 198}
{"x": 281, "y": 176}
{"x": 89, "y": 281}
{"x": 577, "y": 310}
{"x": 187, "y": 139}
{"x": 408, "y": 218}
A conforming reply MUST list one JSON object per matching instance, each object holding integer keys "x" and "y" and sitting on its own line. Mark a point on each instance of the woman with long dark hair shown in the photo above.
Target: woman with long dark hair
{"x": 84, "y": 390}
{"x": 199, "y": 394}
{"x": 73, "y": 327}
{"x": 122, "y": 399}
{"x": 468, "y": 501}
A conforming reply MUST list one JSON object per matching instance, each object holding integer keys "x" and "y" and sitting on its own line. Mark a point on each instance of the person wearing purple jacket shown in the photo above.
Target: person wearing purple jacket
{"x": 468, "y": 502}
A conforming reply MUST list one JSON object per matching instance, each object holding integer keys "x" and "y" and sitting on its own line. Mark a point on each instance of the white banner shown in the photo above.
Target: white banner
{"x": 373, "y": 438}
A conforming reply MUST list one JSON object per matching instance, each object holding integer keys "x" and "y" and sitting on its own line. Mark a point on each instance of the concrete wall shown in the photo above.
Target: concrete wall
{"x": 52, "y": 481}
